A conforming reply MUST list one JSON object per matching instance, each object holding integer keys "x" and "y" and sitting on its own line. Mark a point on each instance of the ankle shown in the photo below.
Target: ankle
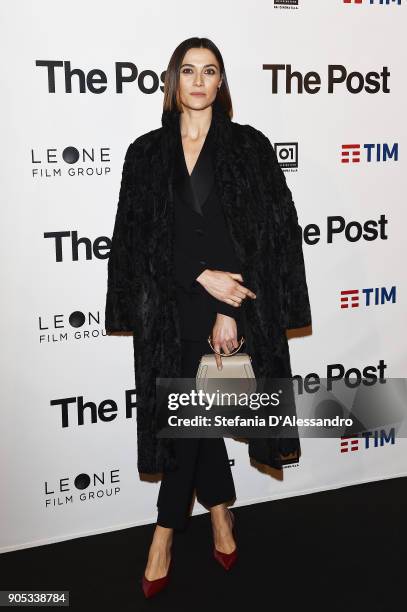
{"x": 162, "y": 539}
{"x": 219, "y": 510}
{"x": 220, "y": 515}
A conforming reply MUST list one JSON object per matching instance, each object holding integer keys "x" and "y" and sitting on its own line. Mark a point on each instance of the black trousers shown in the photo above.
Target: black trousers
{"x": 203, "y": 463}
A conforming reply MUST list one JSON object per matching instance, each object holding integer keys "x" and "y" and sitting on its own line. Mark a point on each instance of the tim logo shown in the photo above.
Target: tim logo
{"x": 287, "y": 154}
{"x": 372, "y": 2}
{"x": 355, "y": 153}
{"x": 371, "y": 296}
{"x": 367, "y": 440}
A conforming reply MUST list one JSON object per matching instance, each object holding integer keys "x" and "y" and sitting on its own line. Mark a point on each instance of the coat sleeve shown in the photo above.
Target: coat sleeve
{"x": 122, "y": 268}
{"x": 226, "y": 309}
{"x": 284, "y": 221}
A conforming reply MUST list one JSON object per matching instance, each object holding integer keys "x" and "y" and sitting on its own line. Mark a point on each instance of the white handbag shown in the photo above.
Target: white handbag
{"x": 234, "y": 366}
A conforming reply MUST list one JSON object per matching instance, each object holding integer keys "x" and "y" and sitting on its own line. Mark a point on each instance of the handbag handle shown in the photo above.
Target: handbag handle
{"x": 226, "y": 354}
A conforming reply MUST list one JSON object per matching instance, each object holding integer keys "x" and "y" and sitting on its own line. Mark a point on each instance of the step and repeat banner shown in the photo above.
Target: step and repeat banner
{"x": 325, "y": 81}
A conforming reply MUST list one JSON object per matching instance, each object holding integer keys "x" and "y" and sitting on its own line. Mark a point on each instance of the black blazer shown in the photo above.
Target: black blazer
{"x": 201, "y": 241}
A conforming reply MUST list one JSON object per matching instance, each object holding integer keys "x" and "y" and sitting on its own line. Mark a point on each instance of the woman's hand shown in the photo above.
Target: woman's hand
{"x": 224, "y": 336}
{"x": 225, "y": 286}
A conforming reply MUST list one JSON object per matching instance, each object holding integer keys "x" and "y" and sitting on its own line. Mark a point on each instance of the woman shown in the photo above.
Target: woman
{"x": 206, "y": 242}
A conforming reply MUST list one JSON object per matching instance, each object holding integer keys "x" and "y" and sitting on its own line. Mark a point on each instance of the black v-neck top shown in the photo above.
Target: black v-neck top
{"x": 201, "y": 241}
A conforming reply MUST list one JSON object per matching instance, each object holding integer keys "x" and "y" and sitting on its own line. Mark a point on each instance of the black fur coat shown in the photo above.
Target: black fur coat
{"x": 267, "y": 238}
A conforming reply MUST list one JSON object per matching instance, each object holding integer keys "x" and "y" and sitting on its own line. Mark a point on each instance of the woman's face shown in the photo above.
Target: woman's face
{"x": 199, "y": 79}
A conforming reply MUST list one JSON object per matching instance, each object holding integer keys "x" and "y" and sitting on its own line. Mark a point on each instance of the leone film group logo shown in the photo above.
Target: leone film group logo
{"x": 70, "y": 161}
{"x": 78, "y": 325}
{"x": 85, "y": 487}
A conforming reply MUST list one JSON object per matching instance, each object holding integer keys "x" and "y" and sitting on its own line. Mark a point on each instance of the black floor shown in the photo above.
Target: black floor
{"x": 338, "y": 550}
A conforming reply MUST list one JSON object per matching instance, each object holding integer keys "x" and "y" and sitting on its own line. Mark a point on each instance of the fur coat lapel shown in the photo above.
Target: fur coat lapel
{"x": 263, "y": 225}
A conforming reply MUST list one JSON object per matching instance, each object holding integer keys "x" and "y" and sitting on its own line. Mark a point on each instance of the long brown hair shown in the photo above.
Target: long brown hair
{"x": 171, "y": 83}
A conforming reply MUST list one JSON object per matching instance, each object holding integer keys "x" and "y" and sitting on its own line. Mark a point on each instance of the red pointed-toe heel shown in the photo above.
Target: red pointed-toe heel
{"x": 227, "y": 559}
{"x": 151, "y": 587}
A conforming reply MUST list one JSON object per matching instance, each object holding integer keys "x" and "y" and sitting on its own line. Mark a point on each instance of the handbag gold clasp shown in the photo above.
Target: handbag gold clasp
{"x": 226, "y": 354}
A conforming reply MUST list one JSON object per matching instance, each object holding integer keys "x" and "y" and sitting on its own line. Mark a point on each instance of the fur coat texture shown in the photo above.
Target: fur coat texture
{"x": 263, "y": 225}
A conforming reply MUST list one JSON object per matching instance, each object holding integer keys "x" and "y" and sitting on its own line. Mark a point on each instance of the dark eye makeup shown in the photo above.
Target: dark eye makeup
{"x": 207, "y": 70}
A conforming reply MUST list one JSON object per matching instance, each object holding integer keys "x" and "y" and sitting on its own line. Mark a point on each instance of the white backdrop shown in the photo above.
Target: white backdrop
{"x": 64, "y": 476}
